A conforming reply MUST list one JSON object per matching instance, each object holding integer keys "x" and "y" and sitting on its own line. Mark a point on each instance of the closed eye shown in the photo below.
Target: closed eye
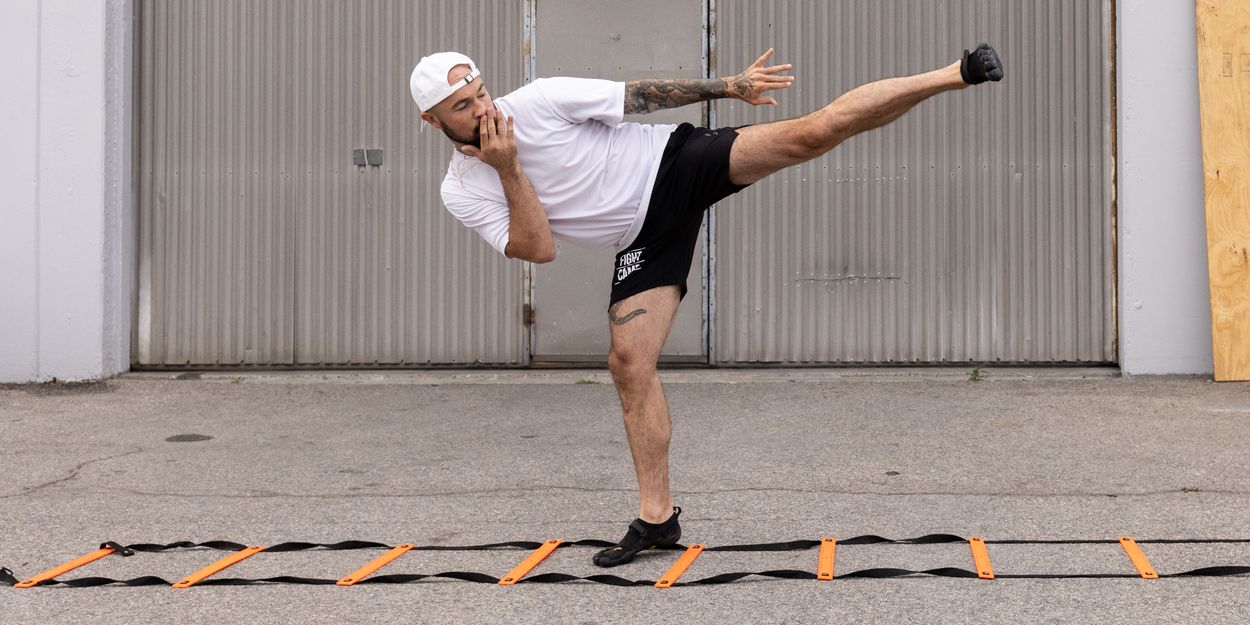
{"x": 460, "y": 106}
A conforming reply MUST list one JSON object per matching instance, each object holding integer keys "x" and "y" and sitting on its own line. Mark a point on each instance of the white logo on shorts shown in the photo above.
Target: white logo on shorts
{"x": 630, "y": 262}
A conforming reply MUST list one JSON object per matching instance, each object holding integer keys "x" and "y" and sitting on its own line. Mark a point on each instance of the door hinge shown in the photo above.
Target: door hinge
{"x": 527, "y": 315}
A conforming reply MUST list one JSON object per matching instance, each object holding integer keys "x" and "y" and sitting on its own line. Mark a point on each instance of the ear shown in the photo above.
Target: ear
{"x": 431, "y": 120}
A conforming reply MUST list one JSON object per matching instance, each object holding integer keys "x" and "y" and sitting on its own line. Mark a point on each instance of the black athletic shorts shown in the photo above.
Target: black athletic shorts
{"x": 693, "y": 175}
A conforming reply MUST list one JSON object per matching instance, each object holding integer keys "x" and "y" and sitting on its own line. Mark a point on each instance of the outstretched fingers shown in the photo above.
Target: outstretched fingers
{"x": 751, "y": 84}
{"x": 775, "y": 69}
{"x": 758, "y": 66}
{"x": 763, "y": 57}
{"x": 764, "y": 84}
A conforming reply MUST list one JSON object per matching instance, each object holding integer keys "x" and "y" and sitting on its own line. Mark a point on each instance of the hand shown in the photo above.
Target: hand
{"x": 750, "y": 85}
{"x": 498, "y": 142}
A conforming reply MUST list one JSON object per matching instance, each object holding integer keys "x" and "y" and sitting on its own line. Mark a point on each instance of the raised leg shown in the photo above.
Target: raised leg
{"x": 766, "y": 148}
{"x": 640, "y": 325}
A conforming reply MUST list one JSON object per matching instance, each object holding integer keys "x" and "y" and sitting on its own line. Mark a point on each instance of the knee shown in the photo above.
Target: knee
{"x": 809, "y": 145}
{"x": 818, "y": 135}
{"x": 630, "y": 367}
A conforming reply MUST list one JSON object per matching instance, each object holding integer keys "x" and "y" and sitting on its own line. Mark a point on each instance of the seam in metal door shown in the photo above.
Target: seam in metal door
{"x": 615, "y": 41}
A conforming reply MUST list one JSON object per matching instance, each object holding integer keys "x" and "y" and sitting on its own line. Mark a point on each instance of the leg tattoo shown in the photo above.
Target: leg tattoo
{"x": 620, "y": 321}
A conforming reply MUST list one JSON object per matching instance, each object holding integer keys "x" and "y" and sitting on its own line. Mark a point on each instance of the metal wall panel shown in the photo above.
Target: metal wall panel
{"x": 261, "y": 242}
{"x": 616, "y": 41}
{"x": 976, "y": 229}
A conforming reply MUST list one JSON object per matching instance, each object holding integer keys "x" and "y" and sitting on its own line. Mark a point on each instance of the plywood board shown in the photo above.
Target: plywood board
{"x": 1224, "y": 76}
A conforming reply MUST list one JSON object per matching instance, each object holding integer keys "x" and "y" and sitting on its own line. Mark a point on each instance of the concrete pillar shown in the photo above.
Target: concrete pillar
{"x": 66, "y": 247}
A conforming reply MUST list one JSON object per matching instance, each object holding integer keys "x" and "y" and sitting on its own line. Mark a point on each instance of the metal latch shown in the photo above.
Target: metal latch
{"x": 367, "y": 156}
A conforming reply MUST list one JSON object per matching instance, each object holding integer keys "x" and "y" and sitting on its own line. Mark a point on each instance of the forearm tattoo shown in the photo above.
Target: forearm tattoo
{"x": 649, "y": 96}
{"x": 615, "y": 309}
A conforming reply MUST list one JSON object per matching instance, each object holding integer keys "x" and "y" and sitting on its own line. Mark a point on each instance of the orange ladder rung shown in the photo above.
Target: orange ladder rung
{"x": 1139, "y": 559}
{"x": 828, "y": 548}
{"x": 528, "y": 565}
{"x": 981, "y": 557}
{"x": 65, "y": 568}
{"x": 377, "y": 563}
{"x": 217, "y": 567}
{"x": 674, "y": 572}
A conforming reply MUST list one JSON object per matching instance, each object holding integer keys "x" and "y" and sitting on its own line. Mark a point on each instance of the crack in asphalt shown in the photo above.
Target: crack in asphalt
{"x": 73, "y": 474}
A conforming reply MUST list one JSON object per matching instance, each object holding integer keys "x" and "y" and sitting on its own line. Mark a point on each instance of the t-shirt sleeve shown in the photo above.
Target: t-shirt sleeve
{"x": 576, "y": 100}
{"x": 487, "y": 217}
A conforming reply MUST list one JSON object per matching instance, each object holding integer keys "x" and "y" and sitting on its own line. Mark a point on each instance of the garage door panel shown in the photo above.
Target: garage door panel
{"x": 261, "y": 241}
{"x": 977, "y": 228}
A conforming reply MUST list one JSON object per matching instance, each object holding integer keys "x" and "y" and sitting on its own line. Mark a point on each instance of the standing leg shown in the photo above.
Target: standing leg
{"x": 640, "y": 325}
{"x": 761, "y": 150}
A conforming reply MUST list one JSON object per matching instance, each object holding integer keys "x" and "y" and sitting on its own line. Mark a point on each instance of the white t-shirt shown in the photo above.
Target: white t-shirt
{"x": 592, "y": 173}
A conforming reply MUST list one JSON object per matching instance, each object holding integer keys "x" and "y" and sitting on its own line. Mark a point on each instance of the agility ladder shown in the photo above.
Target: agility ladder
{"x": 983, "y": 569}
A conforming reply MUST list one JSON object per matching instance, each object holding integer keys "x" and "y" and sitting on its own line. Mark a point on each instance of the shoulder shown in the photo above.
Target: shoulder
{"x": 525, "y": 96}
{"x": 558, "y": 92}
{"x": 469, "y": 182}
{"x": 569, "y": 83}
{"x": 559, "y": 88}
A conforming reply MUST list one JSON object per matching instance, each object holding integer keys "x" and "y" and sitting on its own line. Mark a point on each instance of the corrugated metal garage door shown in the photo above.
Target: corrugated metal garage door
{"x": 978, "y": 228}
{"x": 261, "y": 241}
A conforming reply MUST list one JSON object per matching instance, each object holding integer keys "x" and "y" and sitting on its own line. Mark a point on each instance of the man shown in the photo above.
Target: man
{"x": 554, "y": 160}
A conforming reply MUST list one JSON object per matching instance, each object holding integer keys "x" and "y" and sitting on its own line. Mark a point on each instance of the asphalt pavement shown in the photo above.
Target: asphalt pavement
{"x": 446, "y": 458}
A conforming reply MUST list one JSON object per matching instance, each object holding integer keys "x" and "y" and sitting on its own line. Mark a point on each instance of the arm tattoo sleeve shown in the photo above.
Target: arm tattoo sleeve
{"x": 648, "y": 96}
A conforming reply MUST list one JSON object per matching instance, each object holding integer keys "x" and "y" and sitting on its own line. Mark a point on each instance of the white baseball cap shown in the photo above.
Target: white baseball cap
{"x": 429, "y": 78}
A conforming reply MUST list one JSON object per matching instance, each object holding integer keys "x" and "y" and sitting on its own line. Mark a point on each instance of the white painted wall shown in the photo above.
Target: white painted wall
{"x": 19, "y": 308}
{"x": 67, "y": 203}
{"x": 66, "y": 254}
{"x": 1165, "y": 321}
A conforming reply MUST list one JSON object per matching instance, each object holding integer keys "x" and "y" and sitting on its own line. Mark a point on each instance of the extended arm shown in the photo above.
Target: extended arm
{"x": 648, "y": 96}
